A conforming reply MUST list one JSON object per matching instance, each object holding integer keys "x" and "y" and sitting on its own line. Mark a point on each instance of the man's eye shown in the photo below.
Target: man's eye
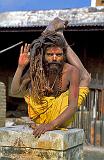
{"x": 49, "y": 54}
{"x": 60, "y": 54}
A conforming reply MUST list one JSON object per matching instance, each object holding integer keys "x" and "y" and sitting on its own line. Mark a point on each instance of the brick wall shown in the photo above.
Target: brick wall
{"x": 2, "y": 104}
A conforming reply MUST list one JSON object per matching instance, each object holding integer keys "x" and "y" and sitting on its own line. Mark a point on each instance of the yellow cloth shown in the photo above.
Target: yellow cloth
{"x": 53, "y": 107}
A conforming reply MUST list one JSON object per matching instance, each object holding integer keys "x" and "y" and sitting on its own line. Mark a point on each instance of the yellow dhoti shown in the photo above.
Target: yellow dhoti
{"x": 53, "y": 107}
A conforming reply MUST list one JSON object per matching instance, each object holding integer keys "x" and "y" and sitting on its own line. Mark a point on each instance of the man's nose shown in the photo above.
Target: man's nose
{"x": 54, "y": 57}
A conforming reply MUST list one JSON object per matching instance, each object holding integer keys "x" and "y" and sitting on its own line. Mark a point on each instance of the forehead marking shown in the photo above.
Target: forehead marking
{"x": 54, "y": 49}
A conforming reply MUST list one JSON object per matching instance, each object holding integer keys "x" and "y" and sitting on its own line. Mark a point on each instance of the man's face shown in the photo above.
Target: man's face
{"x": 54, "y": 57}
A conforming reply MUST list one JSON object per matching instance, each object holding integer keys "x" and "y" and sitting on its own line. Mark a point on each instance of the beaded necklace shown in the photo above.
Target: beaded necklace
{"x": 50, "y": 88}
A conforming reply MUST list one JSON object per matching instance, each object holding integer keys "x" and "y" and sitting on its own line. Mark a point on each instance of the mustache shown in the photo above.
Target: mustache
{"x": 54, "y": 62}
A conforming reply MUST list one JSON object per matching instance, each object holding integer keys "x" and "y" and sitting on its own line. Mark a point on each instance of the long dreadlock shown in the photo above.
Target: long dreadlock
{"x": 37, "y": 73}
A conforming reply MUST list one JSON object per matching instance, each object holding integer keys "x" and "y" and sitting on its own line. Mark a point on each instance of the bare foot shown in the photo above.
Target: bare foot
{"x": 56, "y": 25}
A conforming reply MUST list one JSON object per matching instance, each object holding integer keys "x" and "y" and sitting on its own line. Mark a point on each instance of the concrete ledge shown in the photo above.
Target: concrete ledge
{"x": 22, "y": 136}
{"x": 55, "y": 145}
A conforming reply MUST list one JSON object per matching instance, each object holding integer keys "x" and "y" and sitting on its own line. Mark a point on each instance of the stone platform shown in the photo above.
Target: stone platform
{"x": 18, "y": 143}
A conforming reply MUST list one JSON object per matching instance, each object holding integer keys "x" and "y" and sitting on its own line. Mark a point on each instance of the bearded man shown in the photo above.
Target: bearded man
{"x": 52, "y": 87}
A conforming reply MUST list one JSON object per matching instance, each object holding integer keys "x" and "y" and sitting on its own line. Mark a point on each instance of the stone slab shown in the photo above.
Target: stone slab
{"x": 16, "y": 153}
{"x": 21, "y": 136}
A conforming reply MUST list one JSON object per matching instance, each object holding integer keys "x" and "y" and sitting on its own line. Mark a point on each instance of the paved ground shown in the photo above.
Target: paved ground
{"x": 93, "y": 153}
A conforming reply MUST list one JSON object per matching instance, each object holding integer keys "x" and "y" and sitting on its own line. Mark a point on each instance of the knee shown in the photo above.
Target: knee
{"x": 86, "y": 76}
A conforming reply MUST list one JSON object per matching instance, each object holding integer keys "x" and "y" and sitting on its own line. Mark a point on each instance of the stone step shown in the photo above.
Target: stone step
{"x": 18, "y": 142}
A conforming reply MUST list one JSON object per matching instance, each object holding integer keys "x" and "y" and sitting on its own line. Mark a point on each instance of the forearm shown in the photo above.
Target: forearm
{"x": 15, "y": 86}
{"x": 64, "y": 116}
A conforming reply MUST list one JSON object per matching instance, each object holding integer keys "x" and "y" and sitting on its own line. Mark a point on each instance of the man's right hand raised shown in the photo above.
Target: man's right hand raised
{"x": 24, "y": 57}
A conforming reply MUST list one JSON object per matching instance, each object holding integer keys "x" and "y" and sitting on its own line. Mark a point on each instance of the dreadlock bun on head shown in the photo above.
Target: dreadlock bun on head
{"x": 54, "y": 40}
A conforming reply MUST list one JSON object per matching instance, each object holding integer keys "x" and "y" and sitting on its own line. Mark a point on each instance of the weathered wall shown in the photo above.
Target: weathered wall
{"x": 2, "y": 104}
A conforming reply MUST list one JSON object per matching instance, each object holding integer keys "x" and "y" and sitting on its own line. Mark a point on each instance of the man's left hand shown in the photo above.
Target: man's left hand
{"x": 42, "y": 128}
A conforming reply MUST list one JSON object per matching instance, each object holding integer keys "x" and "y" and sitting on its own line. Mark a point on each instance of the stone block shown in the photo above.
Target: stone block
{"x": 18, "y": 142}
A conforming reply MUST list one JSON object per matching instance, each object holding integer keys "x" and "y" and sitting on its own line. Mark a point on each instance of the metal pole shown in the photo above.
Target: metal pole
{"x": 11, "y": 47}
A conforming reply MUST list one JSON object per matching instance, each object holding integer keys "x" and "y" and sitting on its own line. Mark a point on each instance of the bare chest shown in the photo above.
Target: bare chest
{"x": 60, "y": 82}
